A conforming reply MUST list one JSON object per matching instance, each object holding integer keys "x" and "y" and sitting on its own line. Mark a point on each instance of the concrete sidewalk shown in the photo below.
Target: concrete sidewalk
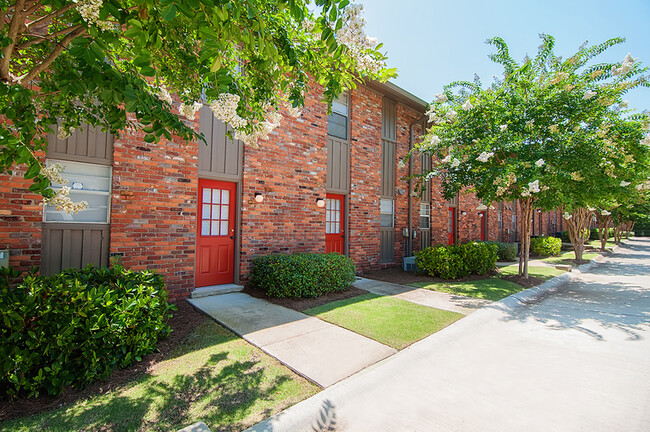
{"x": 425, "y": 297}
{"x": 568, "y": 358}
{"x": 315, "y": 349}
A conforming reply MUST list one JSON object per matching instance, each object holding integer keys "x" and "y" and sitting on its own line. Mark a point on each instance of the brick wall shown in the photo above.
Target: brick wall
{"x": 153, "y": 208}
{"x": 290, "y": 171}
{"x": 20, "y": 220}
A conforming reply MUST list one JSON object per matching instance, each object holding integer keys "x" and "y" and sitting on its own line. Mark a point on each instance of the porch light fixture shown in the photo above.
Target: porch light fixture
{"x": 320, "y": 202}
{"x": 259, "y": 197}
{"x": 463, "y": 213}
{"x": 480, "y": 215}
{"x": 539, "y": 210}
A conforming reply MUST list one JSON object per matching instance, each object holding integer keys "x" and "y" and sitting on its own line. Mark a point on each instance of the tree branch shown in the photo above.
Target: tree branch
{"x": 17, "y": 20}
{"x": 53, "y": 55}
{"x": 47, "y": 18}
{"x": 48, "y": 37}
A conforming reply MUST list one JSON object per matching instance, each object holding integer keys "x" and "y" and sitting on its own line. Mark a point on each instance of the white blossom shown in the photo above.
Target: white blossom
{"x": 503, "y": 127}
{"x": 455, "y": 163}
{"x": 624, "y": 104}
{"x": 53, "y": 173}
{"x": 352, "y": 34}
{"x": 533, "y": 187}
{"x": 605, "y": 213}
{"x": 189, "y": 111}
{"x": 89, "y": 11}
{"x": 485, "y": 156}
{"x": 530, "y": 123}
{"x": 435, "y": 140}
{"x": 467, "y": 105}
{"x": 446, "y": 159}
{"x": 164, "y": 95}
{"x": 624, "y": 183}
{"x": 401, "y": 164}
{"x": 646, "y": 140}
{"x": 540, "y": 163}
{"x": 63, "y": 132}
{"x": 567, "y": 215}
{"x": 553, "y": 128}
{"x": 560, "y": 76}
{"x": 451, "y": 115}
{"x": 224, "y": 108}
{"x": 441, "y": 98}
{"x": 61, "y": 200}
{"x": 589, "y": 94}
{"x": 481, "y": 207}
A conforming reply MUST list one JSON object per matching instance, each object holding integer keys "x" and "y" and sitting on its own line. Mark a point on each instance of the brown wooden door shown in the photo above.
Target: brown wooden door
{"x": 215, "y": 245}
{"x": 451, "y": 227}
{"x": 334, "y": 224}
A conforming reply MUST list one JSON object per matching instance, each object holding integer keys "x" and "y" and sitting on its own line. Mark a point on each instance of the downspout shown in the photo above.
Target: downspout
{"x": 409, "y": 242}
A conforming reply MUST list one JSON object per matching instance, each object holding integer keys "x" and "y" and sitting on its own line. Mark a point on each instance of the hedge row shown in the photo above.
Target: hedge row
{"x": 506, "y": 252}
{"x": 456, "y": 261}
{"x": 302, "y": 274}
{"x": 77, "y": 326}
{"x": 545, "y": 246}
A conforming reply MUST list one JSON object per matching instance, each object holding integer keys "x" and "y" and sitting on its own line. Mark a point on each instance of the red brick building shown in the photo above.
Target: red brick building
{"x": 199, "y": 214}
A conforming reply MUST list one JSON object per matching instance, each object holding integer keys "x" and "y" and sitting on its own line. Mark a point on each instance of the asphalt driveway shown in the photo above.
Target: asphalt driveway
{"x": 577, "y": 359}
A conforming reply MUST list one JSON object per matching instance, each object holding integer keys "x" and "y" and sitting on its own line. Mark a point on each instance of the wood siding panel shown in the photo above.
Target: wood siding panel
{"x": 425, "y": 160}
{"x": 73, "y": 246}
{"x": 387, "y": 245}
{"x": 389, "y": 120}
{"x": 425, "y": 239}
{"x": 222, "y": 156}
{"x": 88, "y": 144}
{"x": 387, "y": 169}
{"x": 338, "y": 165}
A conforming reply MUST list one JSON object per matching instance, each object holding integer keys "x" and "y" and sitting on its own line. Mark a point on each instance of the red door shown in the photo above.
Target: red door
{"x": 483, "y": 216}
{"x": 451, "y": 227}
{"x": 334, "y": 224}
{"x": 215, "y": 244}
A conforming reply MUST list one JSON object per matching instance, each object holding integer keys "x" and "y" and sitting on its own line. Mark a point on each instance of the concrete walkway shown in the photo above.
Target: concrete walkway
{"x": 425, "y": 297}
{"x": 573, "y": 359}
{"x": 315, "y": 349}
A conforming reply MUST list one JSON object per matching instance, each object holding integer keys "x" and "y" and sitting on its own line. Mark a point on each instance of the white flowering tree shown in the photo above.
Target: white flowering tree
{"x": 535, "y": 136}
{"x": 117, "y": 63}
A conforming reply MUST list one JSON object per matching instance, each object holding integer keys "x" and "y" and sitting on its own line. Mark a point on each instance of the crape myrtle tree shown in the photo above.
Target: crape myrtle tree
{"x": 535, "y": 136}
{"x": 117, "y": 63}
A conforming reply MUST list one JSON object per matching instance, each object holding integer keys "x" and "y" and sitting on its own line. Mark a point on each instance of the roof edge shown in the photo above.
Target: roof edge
{"x": 392, "y": 90}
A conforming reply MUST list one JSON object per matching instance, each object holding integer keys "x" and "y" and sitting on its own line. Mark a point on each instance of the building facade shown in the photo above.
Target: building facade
{"x": 199, "y": 213}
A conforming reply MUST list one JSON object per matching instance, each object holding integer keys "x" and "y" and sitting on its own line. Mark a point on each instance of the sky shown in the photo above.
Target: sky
{"x": 435, "y": 42}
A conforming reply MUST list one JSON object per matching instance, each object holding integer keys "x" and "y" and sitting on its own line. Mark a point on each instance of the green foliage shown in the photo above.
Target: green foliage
{"x": 66, "y": 62}
{"x": 593, "y": 234}
{"x": 76, "y": 327}
{"x": 506, "y": 252}
{"x": 564, "y": 236}
{"x": 302, "y": 274}
{"x": 546, "y": 246}
{"x": 457, "y": 261}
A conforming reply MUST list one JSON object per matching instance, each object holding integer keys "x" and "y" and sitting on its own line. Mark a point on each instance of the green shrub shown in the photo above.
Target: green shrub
{"x": 76, "y": 327}
{"x": 302, "y": 274}
{"x": 545, "y": 246}
{"x": 564, "y": 236}
{"x": 457, "y": 261}
{"x": 593, "y": 234}
{"x": 506, "y": 252}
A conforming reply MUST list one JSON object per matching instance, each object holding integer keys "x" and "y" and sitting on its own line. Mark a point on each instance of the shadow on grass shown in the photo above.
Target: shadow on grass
{"x": 219, "y": 389}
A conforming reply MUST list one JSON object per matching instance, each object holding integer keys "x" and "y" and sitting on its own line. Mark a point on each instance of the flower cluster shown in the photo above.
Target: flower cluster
{"x": 624, "y": 183}
{"x": 533, "y": 188}
{"x": 567, "y": 215}
{"x": 61, "y": 200}
{"x": 260, "y": 130}
{"x": 560, "y": 76}
{"x": 503, "y": 127}
{"x": 485, "y": 156}
{"x": 63, "y": 132}
{"x": 224, "y": 108}
{"x": 540, "y": 163}
{"x": 164, "y": 95}
{"x": 189, "y": 111}
{"x": 352, "y": 34}
{"x": 626, "y": 66}
{"x": 467, "y": 105}
{"x": 589, "y": 94}
{"x": 89, "y": 11}
{"x": 605, "y": 213}
{"x": 53, "y": 173}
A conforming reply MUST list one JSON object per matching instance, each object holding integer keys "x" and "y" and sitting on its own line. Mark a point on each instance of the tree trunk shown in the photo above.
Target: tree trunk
{"x": 578, "y": 227}
{"x": 629, "y": 228}
{"x": 603, "y": 229}
{"x": 618, "y": 232}
{"x": 526, "y": 205}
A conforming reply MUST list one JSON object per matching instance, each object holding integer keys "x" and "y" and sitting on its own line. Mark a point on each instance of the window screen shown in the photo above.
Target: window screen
{"x": 337, "y": 122}
{"x": 425, "y": 215}
{"x": 87, "y": 182}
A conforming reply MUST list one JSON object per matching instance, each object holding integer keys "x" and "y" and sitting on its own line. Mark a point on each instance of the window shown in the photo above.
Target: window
{"x": 87, "y": 182}
{"x": 425, "y": 215}
{"x": 214, "y": 212}
{"x": 387, "y": 210}
{"x": 332, "y": 216}
{"x": 337, "y": 122}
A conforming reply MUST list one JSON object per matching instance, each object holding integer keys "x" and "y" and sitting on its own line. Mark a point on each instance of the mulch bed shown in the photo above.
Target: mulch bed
{"x": 301, "y": 304}
{"x": 398, "y": 276}
{"x": 183, "y": 322}
{"x": 528, "y": 283}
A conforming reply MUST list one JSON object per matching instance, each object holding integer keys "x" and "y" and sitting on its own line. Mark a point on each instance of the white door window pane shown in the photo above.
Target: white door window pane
{"x": 205, "y": 227}
{"x": 207, "y": 194}
{"x": 216, "y": 196}
{"x": 205, "y": 214}
{"x": 215, "y": 228}
{"x": 224, "y": 212}
{"x": 224, "y": 228}
{"x": 215, "y": 212}
{"x": 225, "y": 197}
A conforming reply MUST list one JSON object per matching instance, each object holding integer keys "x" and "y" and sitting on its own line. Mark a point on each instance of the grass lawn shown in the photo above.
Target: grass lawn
{"x": 537, "y": 271}
{"x": 608, "y": 245}
{"x": 489, "y": 289}
{"x": 568, "y": 257}
{"x": 388, "y": 320}
{"x": 213, "y": 376}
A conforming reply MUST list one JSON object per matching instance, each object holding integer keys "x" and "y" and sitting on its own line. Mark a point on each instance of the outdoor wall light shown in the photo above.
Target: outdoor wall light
{"x": 259, "y": 197}
{"x": 480, "y": 215}
{"x": 539, "y": 210}
{"x": 320, "y": 202}
{"x": 463, "y": 213}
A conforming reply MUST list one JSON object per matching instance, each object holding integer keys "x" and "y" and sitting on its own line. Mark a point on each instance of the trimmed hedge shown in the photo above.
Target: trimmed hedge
{"x": 457, "y": 261}
{"x": 302, "y": 274}
{"x": 545, "y": 246}
{"x": 506, "y": 252}
{"x": 76, "y": 327}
